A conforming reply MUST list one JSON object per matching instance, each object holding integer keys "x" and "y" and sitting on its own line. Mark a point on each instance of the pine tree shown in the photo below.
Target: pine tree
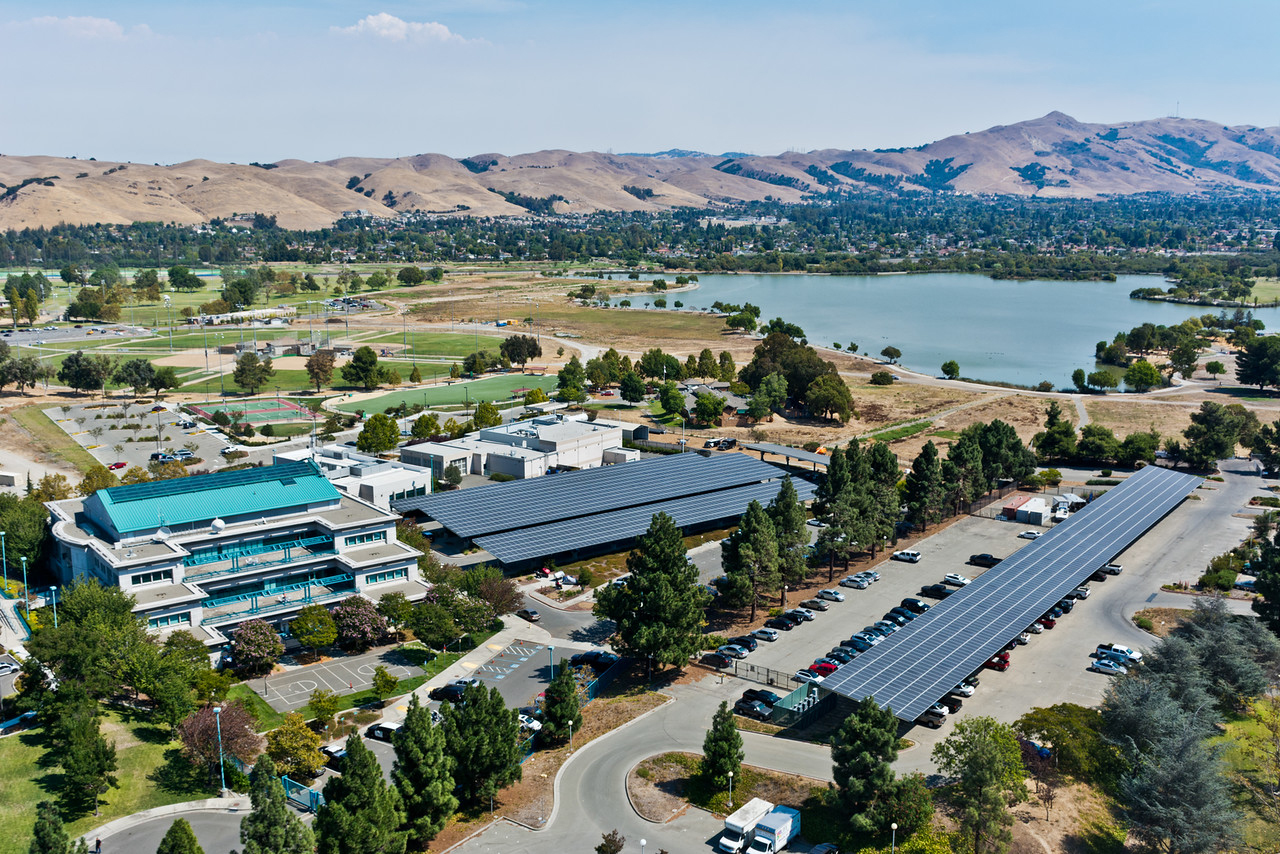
{"x": 661, "y": 611}
{"x": 89, "y": 762}
{"x": 756, "y": 553}
{"x": 272, "y": 827}
{"x": 361, "y": 813}
{"x": 482, "y": 738}
{"x": 49, "y": 836}
{"x": 562, "y": 712}
{"x": 180, "y": 839}
{"x": 415, "y": 376}
{"x": 862, "y": 751}
{"x": 924, "y": 487}
{"x": 788, "y": 517}
{"x": 835, "y": 480}
{"x": 422, "y": 774}
{"x": 722, "y": 748}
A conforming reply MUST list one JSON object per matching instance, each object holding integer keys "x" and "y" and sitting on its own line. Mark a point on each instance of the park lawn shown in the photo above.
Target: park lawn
{"x": 446, "y": 344}
{"x": 288, "y": 381}
{"x": 634, "y": 328}
{"x": 1266, "y": 289}
{"x": 52, "y": 439}
{"x": 151, "y": 773}
{"x": 499, "y": 387}
{"x": 196, "y": 340}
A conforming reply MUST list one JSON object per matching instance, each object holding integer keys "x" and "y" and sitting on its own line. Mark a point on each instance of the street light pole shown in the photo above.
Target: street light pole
{"x": 730, "y": 788}
{"x": 217, "y": 716}
{"x": 5, "y": 563}
{"x": 54, "y": 591}
{"x": 25, "y": 597}
{"x": 893, "y": 840}
{"x": 571, "y": 736}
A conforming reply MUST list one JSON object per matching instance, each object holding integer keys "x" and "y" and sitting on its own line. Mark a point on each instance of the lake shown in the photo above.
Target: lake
{"x": 1015, "y": 332}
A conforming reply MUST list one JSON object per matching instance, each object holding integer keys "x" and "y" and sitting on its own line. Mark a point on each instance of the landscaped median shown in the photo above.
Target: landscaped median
{"x": 530, "y": 802}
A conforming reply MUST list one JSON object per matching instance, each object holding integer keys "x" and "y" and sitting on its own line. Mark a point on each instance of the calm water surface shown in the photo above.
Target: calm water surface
{"x": 1018, "y": 332}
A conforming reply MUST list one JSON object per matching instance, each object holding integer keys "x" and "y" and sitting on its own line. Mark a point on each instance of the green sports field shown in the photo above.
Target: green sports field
{"x": 495, "y": 388}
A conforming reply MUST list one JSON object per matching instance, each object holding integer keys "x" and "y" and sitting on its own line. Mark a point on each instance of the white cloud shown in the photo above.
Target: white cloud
{"x": 82, "y": 27}
{"x": 391, "y": 28}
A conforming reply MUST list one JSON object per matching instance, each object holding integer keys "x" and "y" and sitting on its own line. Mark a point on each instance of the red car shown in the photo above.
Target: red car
{"x": 997, "y": 663}
{"x": 825, "y": 668}
{"x": 115, "y": 466}
{"x": 1047, "y": 622}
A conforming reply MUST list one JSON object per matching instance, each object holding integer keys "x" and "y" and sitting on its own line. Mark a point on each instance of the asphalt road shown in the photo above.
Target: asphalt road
{"x": 217, "y": 831}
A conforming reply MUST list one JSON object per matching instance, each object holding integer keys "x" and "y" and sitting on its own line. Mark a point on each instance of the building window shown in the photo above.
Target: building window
{"x": 381, "y": 577}
{"x": 410, "y": 493}
{"x": 183, "y": 619}
{"x": 150, "y": 577}
{"x": 361, "y": 539}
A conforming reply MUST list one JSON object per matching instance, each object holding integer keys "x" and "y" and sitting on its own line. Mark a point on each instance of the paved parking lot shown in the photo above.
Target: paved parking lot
{"x": 112, "y": 440}
{"x": 290, "y": 690}
{"x": 522, "y": 670}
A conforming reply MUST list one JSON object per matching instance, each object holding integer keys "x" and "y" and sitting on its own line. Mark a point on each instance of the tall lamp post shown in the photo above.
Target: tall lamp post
{"x": 550, "y": 655}
{"x": 54, "y": 591}
{"x": 643, "y": 843}
{"x": 5, "y": 563}
{"x": 730, "y": 788}
{"x": 893, "y": 840}
{"x": 25, "y": 597}
{"x": 222, "y": 770}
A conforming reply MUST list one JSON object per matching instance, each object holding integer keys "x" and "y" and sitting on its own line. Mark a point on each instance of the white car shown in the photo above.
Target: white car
{"x": 1024, "y": 638}
{"x": 1030, "y": 535}
{"x": 531, "y": 724}
{"x": 855, "y": 582}
{"x": 816, "y": 523}
{"x": 963, "y": 690}
{"x": 909, "y": 555}
{"x": 1035, "y": 628}
{"x": 765, "y": 634}
{"x": 7, "y": 667}
{"x": 806, "y": 676}
{"x": 831, "y": 595}
{"x": 956, "y": 579}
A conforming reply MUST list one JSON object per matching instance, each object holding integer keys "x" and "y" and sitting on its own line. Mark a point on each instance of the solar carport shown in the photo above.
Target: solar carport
{"x": 564, "y": 514}
{"x": 918, "y": 664}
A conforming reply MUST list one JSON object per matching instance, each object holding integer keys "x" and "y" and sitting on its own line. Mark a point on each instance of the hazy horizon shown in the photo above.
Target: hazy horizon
{"x": 162, "y": 82}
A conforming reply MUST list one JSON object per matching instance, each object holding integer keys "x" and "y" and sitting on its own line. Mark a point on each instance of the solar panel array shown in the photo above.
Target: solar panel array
{"x": 918, "y": 664}
{"x": 792, "y": 453}
{"x": 537, "y": 501}
{"x": 603, "y": 528}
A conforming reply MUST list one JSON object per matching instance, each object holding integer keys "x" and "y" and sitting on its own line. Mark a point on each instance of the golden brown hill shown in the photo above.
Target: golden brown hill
{"x": 1053, "y": 156}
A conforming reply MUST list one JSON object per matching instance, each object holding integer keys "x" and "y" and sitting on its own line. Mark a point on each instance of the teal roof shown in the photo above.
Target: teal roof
{"x": 205, "y": 497}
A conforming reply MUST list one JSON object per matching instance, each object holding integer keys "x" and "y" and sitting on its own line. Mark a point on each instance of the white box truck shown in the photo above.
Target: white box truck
{"x": 775, "y": 831}
{"x": 739, "y": 826}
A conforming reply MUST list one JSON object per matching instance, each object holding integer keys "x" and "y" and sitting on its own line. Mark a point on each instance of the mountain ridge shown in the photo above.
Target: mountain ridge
{"x": 1054, "y": 156}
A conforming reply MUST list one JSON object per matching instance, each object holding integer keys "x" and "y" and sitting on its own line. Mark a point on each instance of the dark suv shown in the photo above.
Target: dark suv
{"x": 987, "y": 560}
{"x": 747, "y": 642}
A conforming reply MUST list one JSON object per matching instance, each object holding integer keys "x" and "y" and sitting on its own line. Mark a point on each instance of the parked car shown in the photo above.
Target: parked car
{"x": 904, "y": 613}
{"x": 597, "y": 659}
{"x": 768, "y": 634}
{"x": 529, "y": 723}
{"x": 919, "y": 606}
{"x": 1107, "y": 666}
{"x": 896, "y": 619}
{"x": 1098, "y": 576}
{"x": 857, "y": 644}
{"x": 778, "y": 624}
{"x": 908, "y": 555}
{"x": 750, "y": 709}
{"x": 1080, "y": 592}
{"x": 715, "y": 659}
{"x": 711, "y": 443}
{"x": 732, "y": 651}
{"x": 963, "y": 690}
{"x": 183, "y": 454}
{"x": 951, "y": 703}
{"x": 760, "y": 695}
{"x": 936, "y": 591}
{"x": 1023, "y": 638}
{"x": 802, "y": 613}
{"x": 1035, "y": 629}
{"x": 855, "y": 582}
{"x": 815, "y": 522}
{"x": 831, "y": 595}
{"x": 997, "y": 663}
{"x": 956, "y": 579}
{"x": 1113, "y": 569}
{"x": 747, "y": 642}
{"x": 117, "y": 466}
{"x": 1128, "y": 654}
{"x": 870, "y": 575}
{"x": 934, "y": 717}
{"x": 1047, "y": 622}
{"x": 815, "y": 605}
{"x": 529, "y": 614}
{"x": 382, "y": 732}
{"x": 840, "y": 655}
{"x": 887, "y": 626}
{"x": 333, "y": 756}
{"x": 806, "y": 676}
{"x": 984, "y": 559}
{"x": 824, "y": 668}
{"x": 1066, "y": 606}
{"x": 1029, "y": 535}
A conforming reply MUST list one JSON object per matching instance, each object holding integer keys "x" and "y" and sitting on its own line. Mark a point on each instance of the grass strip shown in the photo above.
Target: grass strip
{"x": 52, "y": 439}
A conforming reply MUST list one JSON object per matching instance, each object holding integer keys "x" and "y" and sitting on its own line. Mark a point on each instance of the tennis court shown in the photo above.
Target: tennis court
{"x": 254, "y": 411}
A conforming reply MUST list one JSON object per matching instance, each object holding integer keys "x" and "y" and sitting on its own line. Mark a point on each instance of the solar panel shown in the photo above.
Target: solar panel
{"x": 535, "y": 501}
{"x": 619, "y": 525}
{"x": 921, "y": 662}
{"x": 792, "y": 453}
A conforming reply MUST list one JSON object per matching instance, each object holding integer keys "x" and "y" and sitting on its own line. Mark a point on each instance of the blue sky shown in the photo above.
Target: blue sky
{"x": 170, "y": 81}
